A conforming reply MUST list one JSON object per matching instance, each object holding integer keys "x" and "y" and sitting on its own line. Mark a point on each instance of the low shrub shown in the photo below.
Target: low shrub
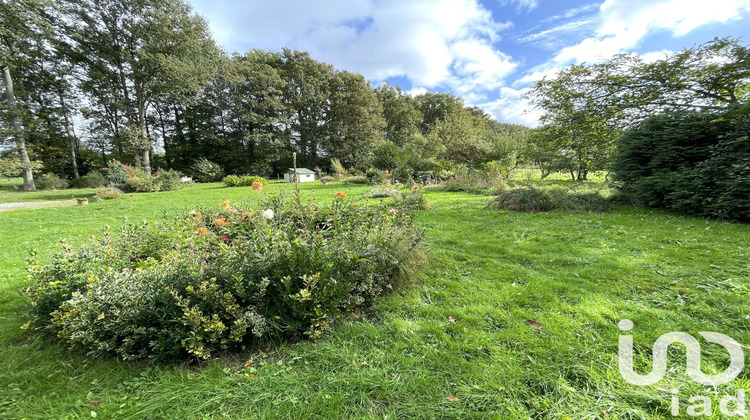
{"x": 535, "y": 200}
{"x": 357, "y": 180}
{"x": 93, "y": 179}
{"x": 257, "y": 182}
{"x": 50, "y": 182}
{"x": 382, "y": 191}
{"x": 206, "y": 171}
{"x": 108, "y": 194}
{"x": 232, "y": 181}
{"x": 169, "y": 180}
{"x": 143, "y": 184}
{"x": 117, "y": 174}
{"x": 413, "y": 200}
{"x": 527, "y": 200}
{"x": 220, "y": 279}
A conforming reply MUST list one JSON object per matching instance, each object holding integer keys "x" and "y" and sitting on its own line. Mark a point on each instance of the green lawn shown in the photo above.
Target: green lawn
{"x": 466, "y": 330}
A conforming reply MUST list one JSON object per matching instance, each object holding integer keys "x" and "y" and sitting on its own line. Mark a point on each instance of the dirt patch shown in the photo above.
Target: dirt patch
{"x": 34, "y": 205}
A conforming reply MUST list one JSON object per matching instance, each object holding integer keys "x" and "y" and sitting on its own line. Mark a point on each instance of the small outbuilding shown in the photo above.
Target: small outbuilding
{"x": 304, "y": 174}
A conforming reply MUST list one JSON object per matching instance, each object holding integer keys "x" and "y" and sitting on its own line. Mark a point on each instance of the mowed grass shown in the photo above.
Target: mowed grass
{"x": 515, "y": 316}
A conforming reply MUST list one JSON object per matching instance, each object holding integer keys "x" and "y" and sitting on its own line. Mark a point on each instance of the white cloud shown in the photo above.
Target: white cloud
{"x": 622, "y": 24}
{"x": 521, "y": 5}
{"x": 550, "y": 38}
{"x": 509, "y": 107}
{"x": 443, "y": 43}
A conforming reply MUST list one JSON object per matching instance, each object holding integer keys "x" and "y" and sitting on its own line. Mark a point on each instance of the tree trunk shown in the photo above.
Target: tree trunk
{"x": 71, "y": 135}
{"x": 145, "y": 143}
{"x": 28, "y": 176}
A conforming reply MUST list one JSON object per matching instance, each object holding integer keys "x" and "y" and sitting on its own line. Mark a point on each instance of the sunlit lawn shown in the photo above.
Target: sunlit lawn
{"x": 463, "y": 331}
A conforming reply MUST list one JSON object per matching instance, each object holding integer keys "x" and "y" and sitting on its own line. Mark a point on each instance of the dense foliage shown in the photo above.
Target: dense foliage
{"x": 213, "y": 280}
{"x": 688, "y": 161}
{"x": 153, "y": 80}
{"x": 587, "y": 106}
{"x": 535, "y": 200}
{"x": 256, "y": 182}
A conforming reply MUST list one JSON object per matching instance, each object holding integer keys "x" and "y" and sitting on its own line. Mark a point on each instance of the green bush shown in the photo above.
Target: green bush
{"x": 415, "y": 200}
{"x": 117, "y": 174}
{"x": 692, "y": 162}
{"x": 214, "y": 280}
{"x": 50, "y": 182}
{"x": 526, "y": 199}
{"x": 206, "y": 171}
{"x": 169, "y": 180}
{"x": 143, "y": 184}
{"x": 232, "y": 181}
{"x": 108, "y": 194}
{"x": 249, "y": 180}
{"x": 535, "y": 200}
{"x": 93, "y": 179}
{"x": 357, "y": 180}
{"x": 244, "y": 181}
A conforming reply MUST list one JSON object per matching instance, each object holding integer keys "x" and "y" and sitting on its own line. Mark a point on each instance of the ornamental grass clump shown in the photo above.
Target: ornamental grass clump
{"x": 219, "y": 279}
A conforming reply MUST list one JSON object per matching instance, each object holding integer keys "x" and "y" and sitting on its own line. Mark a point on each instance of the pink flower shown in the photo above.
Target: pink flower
{"x": 224, "y": 237}
{"x": 393, "y": 212}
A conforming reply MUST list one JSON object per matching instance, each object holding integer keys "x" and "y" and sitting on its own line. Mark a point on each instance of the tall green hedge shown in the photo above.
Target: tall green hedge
{"x": 689, "y": 161}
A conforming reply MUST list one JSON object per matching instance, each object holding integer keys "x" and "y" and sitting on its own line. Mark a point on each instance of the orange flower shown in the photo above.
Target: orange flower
{"x": 199, "y": 215}
{"x": 415, "y": 187}
{"x": 354, "y": 205}
{"x": 257, "y": 185}
{"x": 201, "y": 231}
{"x": 221, "y": 222}
{"x": 340, "y": 194}
{"x": 225, "y": 204}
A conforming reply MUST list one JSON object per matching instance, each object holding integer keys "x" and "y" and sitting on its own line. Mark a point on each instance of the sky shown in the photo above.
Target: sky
{"x": 489, "y": 52}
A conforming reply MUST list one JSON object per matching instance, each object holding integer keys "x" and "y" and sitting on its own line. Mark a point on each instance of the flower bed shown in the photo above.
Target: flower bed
{"x": 218, "y": 279}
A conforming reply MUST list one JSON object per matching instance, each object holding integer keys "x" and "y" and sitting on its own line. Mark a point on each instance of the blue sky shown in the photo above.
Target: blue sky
{"x": 486, "y": 51}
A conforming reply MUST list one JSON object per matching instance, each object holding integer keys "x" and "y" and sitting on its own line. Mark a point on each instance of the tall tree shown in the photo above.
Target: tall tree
{"x": 355, "y": 119}
{"x": 306, "y": 96}
{"x": 23, "y": 36}
{"x": 401, "y": 114}
{"x": 146, "y": 50}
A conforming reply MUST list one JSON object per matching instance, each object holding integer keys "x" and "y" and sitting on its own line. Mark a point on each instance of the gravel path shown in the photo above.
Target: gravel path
{"x": 33, "y": 205}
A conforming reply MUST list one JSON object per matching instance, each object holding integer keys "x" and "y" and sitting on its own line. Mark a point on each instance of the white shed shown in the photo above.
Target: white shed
{"x": 304, "y": 174}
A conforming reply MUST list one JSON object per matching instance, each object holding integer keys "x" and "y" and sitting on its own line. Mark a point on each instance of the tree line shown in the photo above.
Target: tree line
{"x": 142, "y": 82}
{"x": 588, "y": 107}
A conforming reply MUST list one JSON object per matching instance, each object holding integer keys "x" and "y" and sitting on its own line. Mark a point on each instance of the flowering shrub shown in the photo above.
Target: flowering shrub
{"x": 108, "y": 194}
{"x": 256, "y": 182}
{"x": 382, "y": 191}
{"x": 217, "y": 279}
{"x": 413, "y": 200}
